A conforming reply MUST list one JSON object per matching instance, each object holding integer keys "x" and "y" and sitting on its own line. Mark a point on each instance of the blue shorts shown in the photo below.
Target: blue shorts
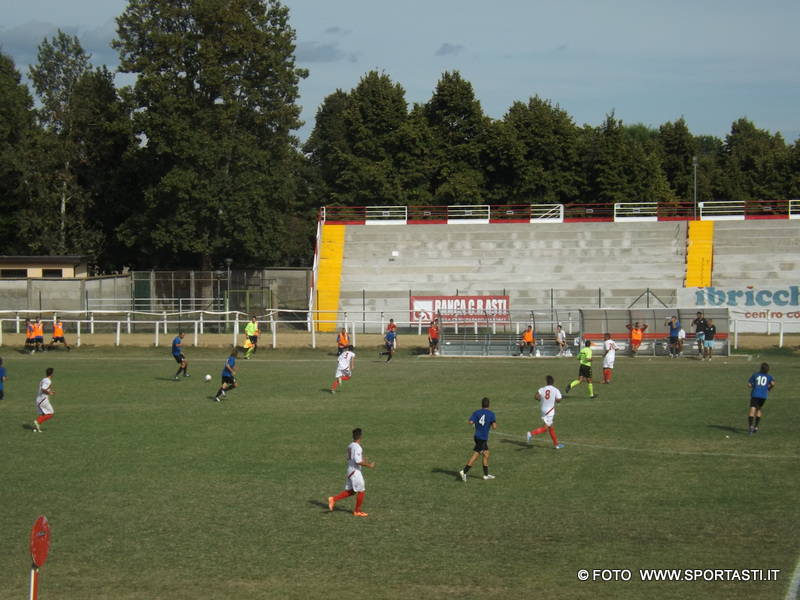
{"x": 38, "y": 339}
{"x": 708, "y": 343}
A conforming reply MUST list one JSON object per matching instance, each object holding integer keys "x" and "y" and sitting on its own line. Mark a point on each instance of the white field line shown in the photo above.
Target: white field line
{"x": 793, "y": 593}
{"x": 664, "y": 452}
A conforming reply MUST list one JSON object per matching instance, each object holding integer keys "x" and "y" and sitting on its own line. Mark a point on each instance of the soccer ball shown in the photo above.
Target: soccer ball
{"x": 207, "y": 377}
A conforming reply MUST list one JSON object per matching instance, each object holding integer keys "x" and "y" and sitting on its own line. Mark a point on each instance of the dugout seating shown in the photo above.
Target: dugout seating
{"x": 756, "y": 252}
{"x": 532, "y": 263}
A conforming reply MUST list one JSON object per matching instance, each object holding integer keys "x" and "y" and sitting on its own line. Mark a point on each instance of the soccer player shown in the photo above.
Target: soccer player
{"x": 43, "y": 406}
{"x": 547, "y": 396}
{"x": 433, "y": 338}
{"x": 58, "y": 335}
{"x": 388, "y": 341}
{"x": 38, "y": 335}
{"x": 354, "y": 479}
{"x": 177, "y": 354}
{"x": 29, "y": 337}
{"x": 252, "y": 332}
{"x": 344, "y": 368}
{"x": 700, "y": 325}
{"x": 561, "y": 340}
{"x": 681, "y": 340}
{"x": 637, "y": 334}
{"x": 483, "y": 419}
{"x": 585, "y": 369}
{"x": 674, "y": 334}
{"x": 228, "y": 375}
{"x": 528, "y": 342}
{"x": 392, "y": 326}
{"x": 609, "y": 356}
{"x": 3, "y": 379}
{"x": 708, "y": 341}
{"x": 760, "y": 384}
{"x": 342, "y": 341}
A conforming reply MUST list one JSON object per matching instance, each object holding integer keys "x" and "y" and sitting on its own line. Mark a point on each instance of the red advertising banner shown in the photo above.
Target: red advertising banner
{"x": 461, "y": 309}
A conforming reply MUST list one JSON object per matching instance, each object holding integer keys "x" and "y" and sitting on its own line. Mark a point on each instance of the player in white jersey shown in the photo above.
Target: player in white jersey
{"x": 43, "y": 407}
{"x": 344, "y": 367}
{"x": 548, "y": 396}
{"x": 354, "y": 479}
{"x": 609, "y": 356}
{"x": 561, "y": 340}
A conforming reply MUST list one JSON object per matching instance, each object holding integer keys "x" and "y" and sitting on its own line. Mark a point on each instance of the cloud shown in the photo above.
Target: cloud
{"x": 448, "y": 49}
{"x": 336, "y": 30}
{"x": 22, "y": 42}
{"x": 316, "y": 52}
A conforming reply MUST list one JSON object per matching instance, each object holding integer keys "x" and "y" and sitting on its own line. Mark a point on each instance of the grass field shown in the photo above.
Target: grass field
{"x": 155, "y": 491}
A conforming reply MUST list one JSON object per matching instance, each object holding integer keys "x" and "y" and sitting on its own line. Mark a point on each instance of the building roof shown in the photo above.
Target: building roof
{"x": 42, "y": 260}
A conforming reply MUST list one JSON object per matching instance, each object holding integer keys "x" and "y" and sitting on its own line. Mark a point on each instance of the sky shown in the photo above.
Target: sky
{"x": 650, "y": 61}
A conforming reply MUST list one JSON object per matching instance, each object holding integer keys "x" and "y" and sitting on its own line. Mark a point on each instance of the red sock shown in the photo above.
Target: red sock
{"x": 606, "y": 375}
{"x": 342, "y": 496}
{"x": 359, "y": 501}
{"x": 335, "y": 384}
{"x": 42, "y": 418}
{"x": 553, "y": 435}
{"x": 538, "y": 431}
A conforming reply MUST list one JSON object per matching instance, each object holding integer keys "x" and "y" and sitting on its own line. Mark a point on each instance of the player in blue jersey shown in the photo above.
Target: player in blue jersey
{"x": 674, "y": 334}
{"x": 760, "y": 384}
{"x": 389, "y": 344}
{"x": 3, "y": 379}
{"x": 483, "y": 420}
{"x": 228, "y": 375}
{"x": 177, "y": 354}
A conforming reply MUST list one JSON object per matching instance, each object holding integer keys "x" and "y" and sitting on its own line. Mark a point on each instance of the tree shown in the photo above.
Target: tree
{"x": 16, "y": 127}
{"x": 58, "y": 203}
{"x": 459, "y": 130}
{"x": 549, "y": 144}
{"x": 215, "y": 104}
{"x": 754, "y": 161}
{"x": 678, "y": 149}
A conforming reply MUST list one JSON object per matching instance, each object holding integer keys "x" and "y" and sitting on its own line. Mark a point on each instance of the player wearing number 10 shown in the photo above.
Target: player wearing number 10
{"x": 483, "y": 420}
{"x": 760, "y": 384}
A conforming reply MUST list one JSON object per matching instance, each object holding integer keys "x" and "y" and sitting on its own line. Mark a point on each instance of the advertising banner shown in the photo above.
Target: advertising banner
{"x": 751, "y": 306}
{"x": 460, "y": 309}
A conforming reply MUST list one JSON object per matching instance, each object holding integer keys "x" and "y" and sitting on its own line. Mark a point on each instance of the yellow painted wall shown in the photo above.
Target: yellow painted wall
{"x": 700, "y": 254}
{"x": 329, "y": 274}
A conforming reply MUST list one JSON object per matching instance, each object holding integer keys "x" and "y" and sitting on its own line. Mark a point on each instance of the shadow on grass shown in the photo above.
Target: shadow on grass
{"x": 522, "y": 445}
{"x": 27, "y": 426}
{"x": 320, "y": 504}
{"x": 728, "y": 428}
{"x": 326, "y": 390}
{"x": 166, "y": 379}
{"x": 449, "y": 472}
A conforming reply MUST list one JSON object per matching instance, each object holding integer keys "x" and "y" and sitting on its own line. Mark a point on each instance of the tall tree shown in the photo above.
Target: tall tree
{"x": 754, "y": 162}
{"x": 459, "y": 130}
{"x": 215, "y": 104}
{"x": 16, "y": 127}
{"x": 678, "y": 150}
{"x": 549, "y": 141}
{"x": 57, "y": 218}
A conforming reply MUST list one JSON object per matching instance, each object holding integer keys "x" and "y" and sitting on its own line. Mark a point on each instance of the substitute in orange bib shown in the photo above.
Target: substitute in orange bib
{"x": 433, "y": 338}
{"x": 58, "y": 335}
{"x": 637, "y": 335}
{"x": 29, "y": 336}
{"x": 38, "y": 335}
{"x": 342, "y": 341}
{"x": 528, "y": 341}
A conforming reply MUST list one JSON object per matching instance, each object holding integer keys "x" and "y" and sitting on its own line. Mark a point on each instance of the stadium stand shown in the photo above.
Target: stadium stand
{"x": 531, "y": 263}
{"x": 756, "y": 252}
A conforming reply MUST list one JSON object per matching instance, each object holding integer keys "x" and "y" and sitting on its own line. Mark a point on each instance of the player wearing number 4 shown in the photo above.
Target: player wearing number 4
{"x": 483, "y": 420}
{"x": 760, "y": 384}
{"x": 354, "y": 480}
{"x": 548, "y": 397}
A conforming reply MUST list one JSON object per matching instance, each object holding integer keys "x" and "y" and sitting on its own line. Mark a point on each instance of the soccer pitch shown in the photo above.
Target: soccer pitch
{"x": 155, "y": 491}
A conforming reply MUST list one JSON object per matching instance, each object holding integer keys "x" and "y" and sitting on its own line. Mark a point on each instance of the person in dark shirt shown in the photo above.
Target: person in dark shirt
{"x": 760, "y": 385}
{"x": 711, "y": 331}
{"x": 700, "y": 325}
{"x": 484, "y": 420}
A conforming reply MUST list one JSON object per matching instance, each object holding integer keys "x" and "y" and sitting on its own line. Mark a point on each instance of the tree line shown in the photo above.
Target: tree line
{"x": 198, "y": 160}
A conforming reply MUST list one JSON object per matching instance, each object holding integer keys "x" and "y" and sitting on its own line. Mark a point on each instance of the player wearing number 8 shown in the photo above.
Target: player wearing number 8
{"x": 548, "y": 397}
{"x": 483, "y": 420}
{"x": 760, "y": 384}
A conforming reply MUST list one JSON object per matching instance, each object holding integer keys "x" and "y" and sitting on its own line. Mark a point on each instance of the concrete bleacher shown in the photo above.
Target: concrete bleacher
{"x": 524, "y": 261}
{"x": 756, "y": 252}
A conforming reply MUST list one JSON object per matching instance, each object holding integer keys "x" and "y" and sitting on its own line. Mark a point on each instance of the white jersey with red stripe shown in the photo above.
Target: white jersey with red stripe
{"x": 610, "y": 347}
{"x": 344, "y": 360}
{"x": 43, "y": 398}
{"x": 548, "y": 396}
{"x": 355, "y": 455}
